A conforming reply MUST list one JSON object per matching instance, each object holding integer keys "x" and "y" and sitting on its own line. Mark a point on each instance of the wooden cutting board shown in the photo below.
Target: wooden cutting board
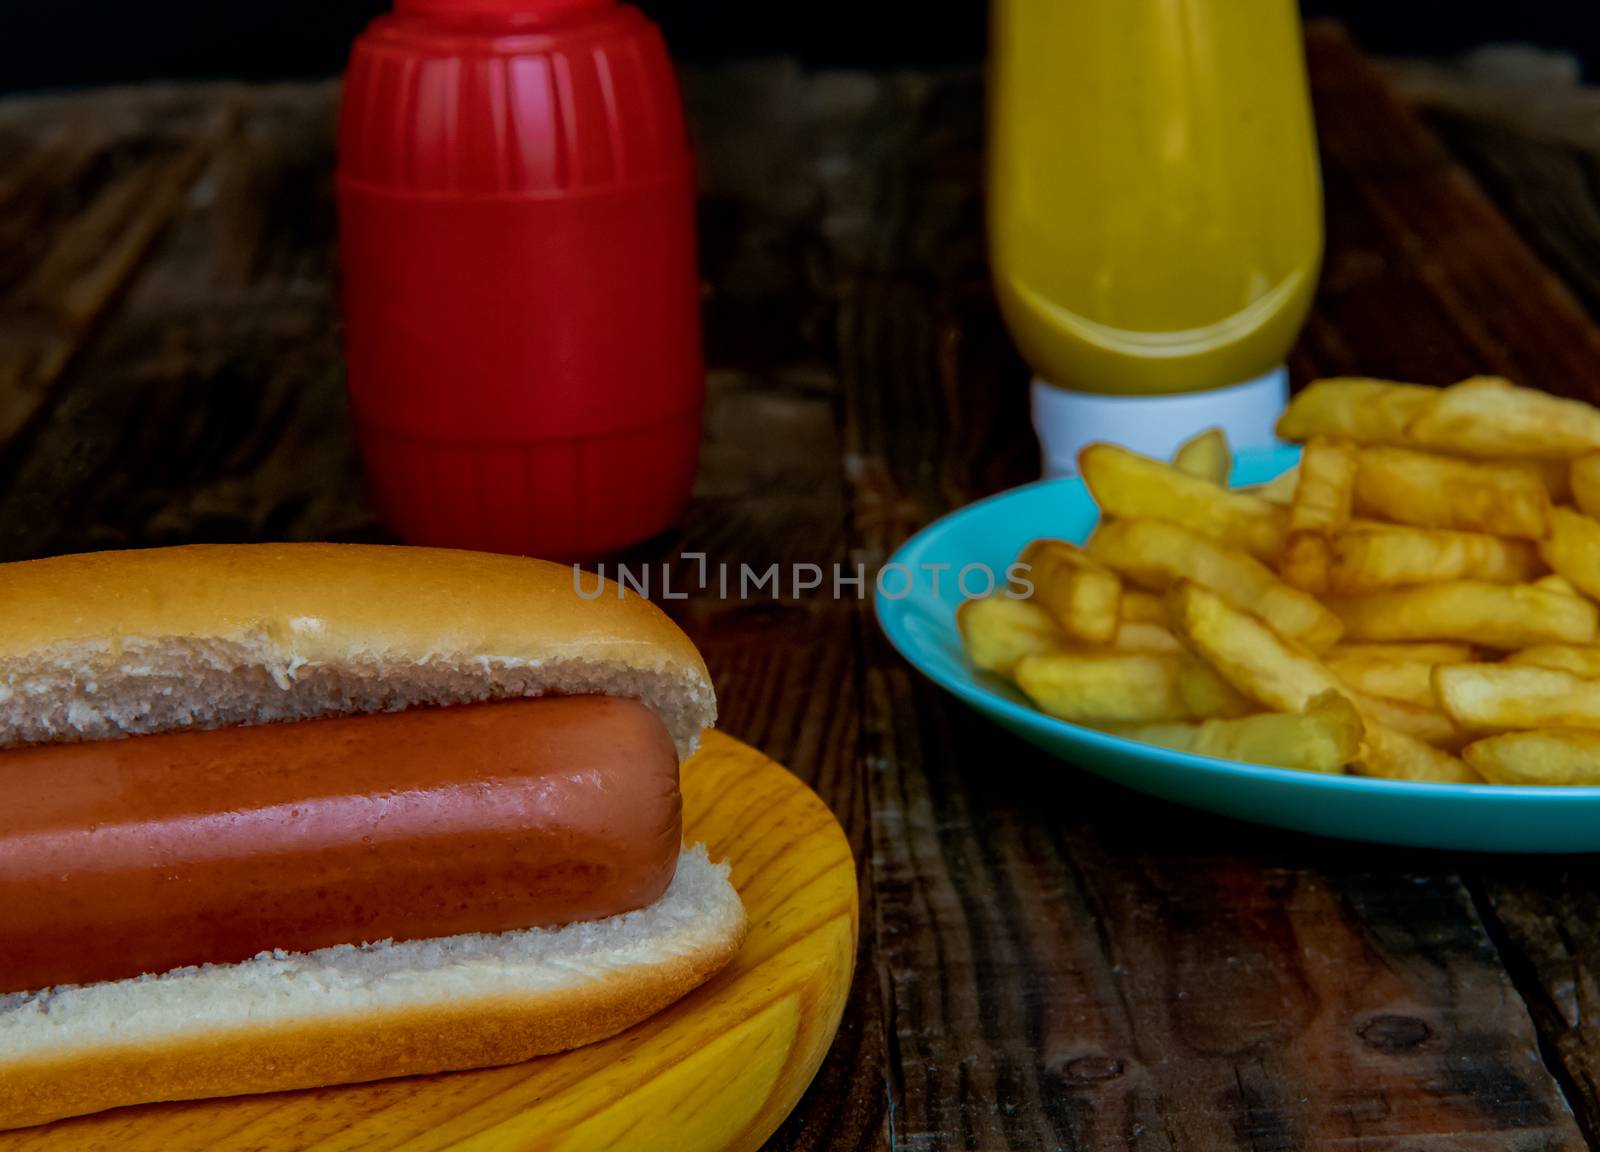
{"x": 718, "y": 1070}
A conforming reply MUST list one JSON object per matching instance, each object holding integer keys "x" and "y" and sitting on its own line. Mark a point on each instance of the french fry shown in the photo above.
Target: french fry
{"x": 1393, "y": 755}
{"x": 1372, "y": 557}
{"x": 1205, "y": 457}
{"x": 1143, "y": 607}
{"x": 1207, "y": 695}
{"x": 1354, "y": 408}
{"x": 1021, "y": 579}
{"x": 1305, "y": 562}
{"x": 998, "y": 631}
{"x": 1573, "y": 549}
{"x": 1438, "y": 492}
{"x": 1555, "y": 475}
{"x": 1408, "y": 680}
{"x": 1323, "y": 739}
{"x": 1499, "y": 697}
{"x": 1155, "y": 554}
{"x": 1585, "y": 479}
{"x": 1083, "y": 595}
{"x": 1137, "y": 636}
{"x": 1355, "y": 598}
{"x": 1280, "y": 489}
{"x": 1104, "y": 688}
{"x": 1321, "y": 509}
{"x": 1274, "y": 671}
{"x": 1429, "y": 725}
{"x": 1579, "y": 659}
{"x": 1130, "y": 486}
{"x": 1554, "y": 583}
{"x": 1422, "y": 651}
{"x": 1488, "y": 417}
{"x": 1492, "y": 615}
{"x": 1559, "y": 756}
{"x": 1327, "y": 485}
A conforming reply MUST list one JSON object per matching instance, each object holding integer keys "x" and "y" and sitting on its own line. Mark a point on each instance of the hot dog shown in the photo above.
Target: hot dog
{"x": 121, "y": 857}
{"x": 275, "y": 817}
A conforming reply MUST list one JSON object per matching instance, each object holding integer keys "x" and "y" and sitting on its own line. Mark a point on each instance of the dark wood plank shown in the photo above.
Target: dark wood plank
{"x": 1071, "y": 966}
{"x": 771, "y": 491}
{"x": 209, "y": 405}
{"x": 85, "y": 186}
{"x": 1424, "y": 278}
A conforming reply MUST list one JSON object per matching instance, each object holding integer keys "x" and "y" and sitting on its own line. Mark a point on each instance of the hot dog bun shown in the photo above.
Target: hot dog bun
{"x": 108, "y": 644}
{"x": 345, "y": 1014}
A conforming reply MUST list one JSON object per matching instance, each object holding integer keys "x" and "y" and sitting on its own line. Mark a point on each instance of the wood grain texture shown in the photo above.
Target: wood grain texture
{"x": 210, "y": 404}
{"x": 716, "y": 1072}
{"x": 84, "y": 189}
{"x": 1048, "y": 962}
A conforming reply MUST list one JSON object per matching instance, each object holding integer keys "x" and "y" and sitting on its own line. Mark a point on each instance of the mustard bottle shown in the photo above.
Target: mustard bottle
{"x": 1155, "y": 213}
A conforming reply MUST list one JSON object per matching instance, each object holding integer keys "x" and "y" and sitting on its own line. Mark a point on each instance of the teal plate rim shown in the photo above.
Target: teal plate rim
{"x": 898, "y": 616}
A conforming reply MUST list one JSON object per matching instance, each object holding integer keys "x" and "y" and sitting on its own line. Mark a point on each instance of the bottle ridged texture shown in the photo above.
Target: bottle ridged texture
{"x": 512, "y": 115}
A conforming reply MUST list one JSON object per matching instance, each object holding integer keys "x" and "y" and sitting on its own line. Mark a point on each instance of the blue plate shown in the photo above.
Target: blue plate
{"x": 920, "y": 621}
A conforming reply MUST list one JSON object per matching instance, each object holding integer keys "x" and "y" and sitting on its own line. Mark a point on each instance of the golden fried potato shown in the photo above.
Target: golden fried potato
{"x": 1585, "y": 479}
{"x": 1375, "y": 556}
{"x": 1207, "y": 695}
{"x": 1554, "y": 583}
{"x": 1423, "y": 651}
{"x": 1393, "y": 755}
{"x": 1019, "y": 577}
{"x": 1408, "y": 680}
{"x": 1573, "y": 549}
{"x": 1579, "y": 659}
{"x": 1489, "y": 417}
{"x": 1306, "y": 561}
{"x": 1497, "y": 697}
{"x": 1083, "y": 595}
{"x": 1129, "y": 486}
{"x": 1566, "y": 756}
{"x": 998, "y": 631}
{"x": 1137, "y": 636}
{"x": 1491, "y": 615}
{"x": 1327, "y": 485}
{"x": 1438, "y": 492}
{"x": 1104, "y": 688}
{"x": 1155, "y": 554}
{"x": 1270, "y": 669}
{"x": 1143, "y": 607}
{"x": 1429, "y": 725}
{"x": 1205, "y": 457}
{"x": 1355, "y": 598}
{"x": 1280, "y": 489}
{"x": 1324, "y": 739}
{"x": 1555, "y": 475}
{"x": 1320, "y": 510}
{"x": 1354, "y": 408}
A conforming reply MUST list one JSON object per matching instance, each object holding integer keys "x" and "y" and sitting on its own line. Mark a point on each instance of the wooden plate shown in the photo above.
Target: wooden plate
{"x": 718, "y": 1070}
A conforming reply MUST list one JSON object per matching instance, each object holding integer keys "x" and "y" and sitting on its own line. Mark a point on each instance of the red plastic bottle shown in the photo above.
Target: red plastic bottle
{"x": 516, "y": 212}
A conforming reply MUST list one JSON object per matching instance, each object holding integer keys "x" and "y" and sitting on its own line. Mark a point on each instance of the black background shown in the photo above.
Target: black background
{"x": 60, "y": 43}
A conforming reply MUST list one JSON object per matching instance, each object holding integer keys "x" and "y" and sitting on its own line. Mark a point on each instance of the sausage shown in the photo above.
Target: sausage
{"x": 121, "y": 857}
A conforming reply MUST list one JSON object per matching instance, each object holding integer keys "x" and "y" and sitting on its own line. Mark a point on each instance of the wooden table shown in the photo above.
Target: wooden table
{"x": 1047, "y": 961}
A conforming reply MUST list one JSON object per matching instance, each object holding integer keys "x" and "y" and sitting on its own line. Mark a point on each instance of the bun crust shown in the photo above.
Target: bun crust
{"x": 106, "y": 644}
{"x": 342, "y": 1015}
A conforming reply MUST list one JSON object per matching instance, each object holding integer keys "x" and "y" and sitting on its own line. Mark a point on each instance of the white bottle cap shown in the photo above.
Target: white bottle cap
{"x": 1154, "y": 425}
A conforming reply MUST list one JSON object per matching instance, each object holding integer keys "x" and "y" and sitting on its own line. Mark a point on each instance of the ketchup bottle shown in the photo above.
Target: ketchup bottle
{"x": 516, "y": 211}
